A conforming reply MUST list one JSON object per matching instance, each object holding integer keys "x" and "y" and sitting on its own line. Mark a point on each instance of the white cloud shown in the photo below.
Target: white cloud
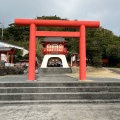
{"x": 107, "y": 11}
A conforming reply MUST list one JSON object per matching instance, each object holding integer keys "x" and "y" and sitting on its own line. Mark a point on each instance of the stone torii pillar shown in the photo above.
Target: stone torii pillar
{"x": 57, "y": 23}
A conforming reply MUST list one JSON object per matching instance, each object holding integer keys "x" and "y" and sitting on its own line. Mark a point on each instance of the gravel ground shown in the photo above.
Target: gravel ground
{"x": 98, "y": 74}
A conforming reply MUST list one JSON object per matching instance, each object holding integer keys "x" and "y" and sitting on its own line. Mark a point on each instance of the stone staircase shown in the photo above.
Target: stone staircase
{"x": 55, "y": 70}
{"x": 59, "y": 92}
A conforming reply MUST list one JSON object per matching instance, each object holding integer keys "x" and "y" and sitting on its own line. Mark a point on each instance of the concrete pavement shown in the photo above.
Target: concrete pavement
{"x": 54, "y": 77}
{"x": 60, "y": 112}
{"x": 85, "y": 111}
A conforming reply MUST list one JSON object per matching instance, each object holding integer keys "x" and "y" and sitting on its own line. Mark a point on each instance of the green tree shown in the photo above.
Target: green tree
{"x": 100, "y": 42}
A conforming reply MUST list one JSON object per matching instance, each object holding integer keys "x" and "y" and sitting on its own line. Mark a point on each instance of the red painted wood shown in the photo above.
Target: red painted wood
{"x": 32, "y": 53}
{"x": 57, "y": 23}
{"x": 57, "y": 34}
{"x": 82, "y": 45}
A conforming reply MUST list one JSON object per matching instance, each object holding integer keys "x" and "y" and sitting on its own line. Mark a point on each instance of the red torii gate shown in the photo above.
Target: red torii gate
{"x": 57, "y": 23}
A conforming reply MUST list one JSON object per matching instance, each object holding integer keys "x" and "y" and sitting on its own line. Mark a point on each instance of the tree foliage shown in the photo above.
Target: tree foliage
{"x": 100, "y": 42}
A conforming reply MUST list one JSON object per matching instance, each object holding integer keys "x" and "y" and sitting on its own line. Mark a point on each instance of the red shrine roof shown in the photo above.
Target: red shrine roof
{"x": 54, "y": 39}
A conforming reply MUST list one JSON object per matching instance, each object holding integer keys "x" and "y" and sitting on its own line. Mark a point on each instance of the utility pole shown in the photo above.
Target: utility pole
{"x": 2, "y": 26}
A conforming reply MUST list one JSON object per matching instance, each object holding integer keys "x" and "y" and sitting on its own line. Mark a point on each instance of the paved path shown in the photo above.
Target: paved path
{"x": 60, "y": 112}
{"x": 39, "y": 78}
{"x": 54, "y": 77}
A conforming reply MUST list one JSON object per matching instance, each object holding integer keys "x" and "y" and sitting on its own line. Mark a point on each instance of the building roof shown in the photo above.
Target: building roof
{"x": 54, "y": 39}
{"x": 5, "y": 49}
{"x": 4, "y": 44}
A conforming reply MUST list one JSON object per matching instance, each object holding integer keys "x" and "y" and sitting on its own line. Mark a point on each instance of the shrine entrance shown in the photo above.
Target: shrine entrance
{"x": 82, "y": 25}
{"x": 54, "y": 62}
{"x": 55, "y": 51}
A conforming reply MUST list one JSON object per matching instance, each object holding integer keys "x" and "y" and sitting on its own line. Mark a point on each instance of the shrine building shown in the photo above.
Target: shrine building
{"x": 54, "y": 52}
{"x": 7, "y": 51}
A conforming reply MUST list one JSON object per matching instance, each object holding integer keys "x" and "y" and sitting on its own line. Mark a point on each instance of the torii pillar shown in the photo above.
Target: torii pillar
{"x": 32, "y": 52}
{"x": 57, "y": 23}
{"x": 82, "y": 53}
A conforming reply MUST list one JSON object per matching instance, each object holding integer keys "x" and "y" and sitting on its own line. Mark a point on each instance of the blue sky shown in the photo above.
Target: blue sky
{"x": 105, "y": 11}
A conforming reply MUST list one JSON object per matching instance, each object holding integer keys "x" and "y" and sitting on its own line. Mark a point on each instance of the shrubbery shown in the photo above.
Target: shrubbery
{"x": 2, "y": 70}
{"x": 11, "y": 70}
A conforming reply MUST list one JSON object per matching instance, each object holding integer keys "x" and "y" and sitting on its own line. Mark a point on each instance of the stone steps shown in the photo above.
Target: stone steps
{"x": 57, "y": 89}
{"x": 59, "y": 101}
{"x": 59, "y": 96}
{"x": 59, "y": 84}
{"x": 55, "y": 70}
{"x": 59, "y": 92}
